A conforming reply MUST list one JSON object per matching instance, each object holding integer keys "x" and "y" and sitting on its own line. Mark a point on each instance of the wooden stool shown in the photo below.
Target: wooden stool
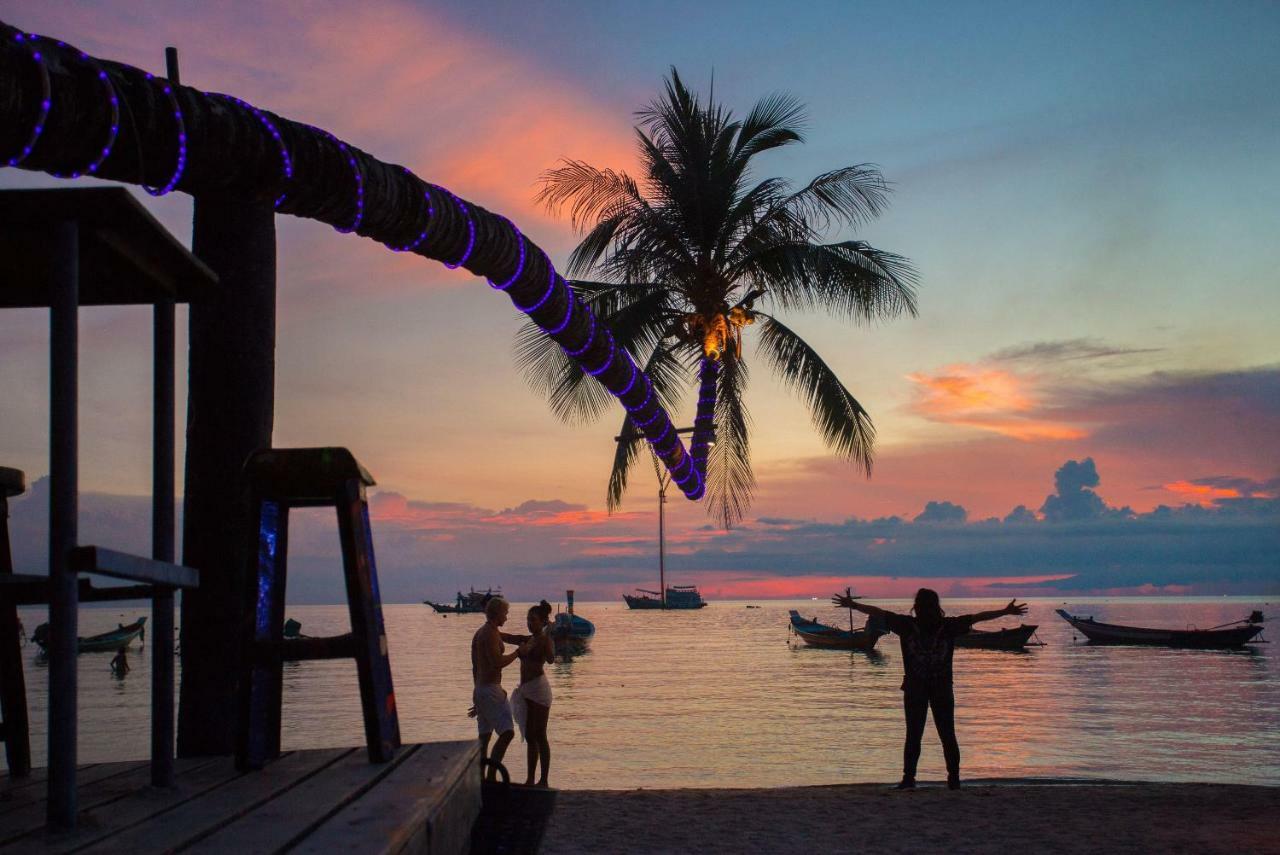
{"x": 14, "y": 728}
{"x": 280, "y": 479}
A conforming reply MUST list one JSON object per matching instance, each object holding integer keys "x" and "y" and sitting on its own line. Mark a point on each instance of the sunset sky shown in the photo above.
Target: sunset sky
{"x": 1089, "y": 191}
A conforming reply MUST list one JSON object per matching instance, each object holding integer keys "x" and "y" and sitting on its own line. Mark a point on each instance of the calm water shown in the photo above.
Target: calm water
{"x": 720, "y": 697}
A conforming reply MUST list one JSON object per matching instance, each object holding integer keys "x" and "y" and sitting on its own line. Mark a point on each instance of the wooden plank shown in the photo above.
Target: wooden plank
{"x": 10, "y": 785}
{"x": 290, "y": 817}
{"x": 121, "y": 565}
{"x": 205, "y": 815}
{"x": 428, "y": 804}
{"x": 86, "y": 775}
{"x": 137, "y": 804}
{"x": 111, "y": 781}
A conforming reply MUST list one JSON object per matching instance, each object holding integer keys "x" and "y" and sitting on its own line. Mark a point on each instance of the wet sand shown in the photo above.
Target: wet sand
{"x": 984, "y": 816}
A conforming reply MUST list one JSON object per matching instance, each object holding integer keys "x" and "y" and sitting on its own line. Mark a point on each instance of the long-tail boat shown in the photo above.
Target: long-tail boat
{"x": 1012, "y": 638}
{"x": 571, "y": 632}
{"x": 121, "y": 636}
{"x": 465, "y": 604}
{"x": 816, "y": 634}
{"x": 1235, "y": 634}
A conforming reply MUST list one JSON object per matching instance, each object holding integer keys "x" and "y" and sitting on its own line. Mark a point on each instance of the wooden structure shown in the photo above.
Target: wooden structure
{"x": 426, "y": 799}
{"x": 14, "y": 728}
{"x": 278, "y": 480}
{"x": 62, "y": 249}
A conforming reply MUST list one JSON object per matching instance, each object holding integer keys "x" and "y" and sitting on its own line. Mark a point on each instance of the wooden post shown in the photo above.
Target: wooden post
{"x": 230, "y": 402}
{"x": 162, "y": 539}
{"x": 13, "y": 686}
{"x": 64, "y": 486}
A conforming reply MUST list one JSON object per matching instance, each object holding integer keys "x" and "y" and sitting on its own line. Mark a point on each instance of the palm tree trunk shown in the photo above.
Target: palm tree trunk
{"x": 223, "y": 146}
{"x": 704, "y": 421}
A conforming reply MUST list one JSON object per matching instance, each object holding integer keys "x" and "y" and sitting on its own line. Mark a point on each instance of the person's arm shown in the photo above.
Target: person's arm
{"x": 548, "y": 647}
{"x": 1014, "y": 608}
{"x": 513, "y": 639}
{"x": 845, "y": 602}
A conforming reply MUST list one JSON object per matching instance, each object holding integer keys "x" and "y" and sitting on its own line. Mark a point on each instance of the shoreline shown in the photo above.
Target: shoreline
{"x": 986, "y": 815}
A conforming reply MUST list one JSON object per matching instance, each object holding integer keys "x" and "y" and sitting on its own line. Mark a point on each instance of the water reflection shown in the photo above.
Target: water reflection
{"x": 718, "y": 696}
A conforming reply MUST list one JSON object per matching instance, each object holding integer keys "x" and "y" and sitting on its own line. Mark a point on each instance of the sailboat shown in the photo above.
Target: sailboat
{"x": 675, "y": 596}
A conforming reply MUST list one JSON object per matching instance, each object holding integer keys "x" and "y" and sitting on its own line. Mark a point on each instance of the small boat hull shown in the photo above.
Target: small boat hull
{"x": 1014, "y": 638}
{"x": 816, "y": 634}
{"x": 122, "y": 636}
{"x": 678, "y": 598}
{"x": 1199, "y": 639}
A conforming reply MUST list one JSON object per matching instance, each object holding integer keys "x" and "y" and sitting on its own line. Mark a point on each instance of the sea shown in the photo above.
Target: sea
{"x": 727, "y": 697}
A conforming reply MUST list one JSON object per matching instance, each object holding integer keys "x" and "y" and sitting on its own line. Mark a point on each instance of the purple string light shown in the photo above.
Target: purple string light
{"x": 644, "y": 425}
{"x": 45, "y": 99}
{"x": 613, "y": 351}
{"x": 471, "y": 233}
{"x": 647, "y": 398}
{"x": 426, "y": 226}
{"x": 286, "y": 162}
{"x": 551, "y": 288}
{"x": 519, "y": 267}
{"x": 568, "y": 315}
{"x": 359, "y": 179}
{"x": 591, "y": 335}
{"x": 635, "y": 372}
{"x": 182, "y": 143}
{"x": 114, "y": 129}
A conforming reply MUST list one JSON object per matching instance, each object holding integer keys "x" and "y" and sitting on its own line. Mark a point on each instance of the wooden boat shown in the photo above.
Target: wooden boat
{"x": 571, "y": 632}
{"x": 1228, "y": 635}
{"x": 121, "y": 636}
{"x": 678, "y": 597}
{"x": 817, "y": 634}
{"x": 1012, "y": 638}
{"x": 465, "y": 604}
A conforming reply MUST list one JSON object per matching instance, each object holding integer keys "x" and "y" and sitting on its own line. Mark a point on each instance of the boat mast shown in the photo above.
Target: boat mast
{"x": 664, "y": 480}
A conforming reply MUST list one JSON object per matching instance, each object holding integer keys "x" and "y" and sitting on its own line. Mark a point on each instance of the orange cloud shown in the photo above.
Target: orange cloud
{"x": 1200, "y": 493}
{"x": 987, "y": 399}
{"x": 729, "y": 585}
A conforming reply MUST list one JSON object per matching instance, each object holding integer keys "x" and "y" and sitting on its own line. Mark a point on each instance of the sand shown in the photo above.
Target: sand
{"x": 990, "y": 816}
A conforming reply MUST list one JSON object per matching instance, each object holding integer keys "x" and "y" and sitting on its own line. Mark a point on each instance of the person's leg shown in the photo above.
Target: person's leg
{"x": 944, "y": 719}
{"x": 916, "y": 708}
{"x": 499, "y": 751}
{"x": 537, "y": 736}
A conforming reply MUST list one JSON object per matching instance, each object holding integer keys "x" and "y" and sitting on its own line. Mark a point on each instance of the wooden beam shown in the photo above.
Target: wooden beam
{"x": 121, "y": 565}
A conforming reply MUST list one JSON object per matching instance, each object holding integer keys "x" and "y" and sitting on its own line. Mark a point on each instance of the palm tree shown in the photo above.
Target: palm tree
{"x": 679, "y": 259}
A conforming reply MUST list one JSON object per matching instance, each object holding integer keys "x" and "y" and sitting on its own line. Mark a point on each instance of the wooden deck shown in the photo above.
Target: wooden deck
{"x": 425, "y": 800}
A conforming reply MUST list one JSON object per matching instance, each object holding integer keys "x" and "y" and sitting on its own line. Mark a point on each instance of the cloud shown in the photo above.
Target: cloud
{"x": 1021, "y": 514}
{"x": 987, "y": 399}
{"x": 1066, "y": 350}
{"x": 942, "y": 512}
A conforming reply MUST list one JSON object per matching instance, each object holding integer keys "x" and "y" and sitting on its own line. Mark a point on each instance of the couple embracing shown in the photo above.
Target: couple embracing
{"x": 530, "y": 703}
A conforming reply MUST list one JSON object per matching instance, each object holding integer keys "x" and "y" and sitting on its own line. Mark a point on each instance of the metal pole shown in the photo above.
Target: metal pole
{"x": 662, "y": 542}
{"x": 162, "y": 503}
{"x": 63, "y": 478}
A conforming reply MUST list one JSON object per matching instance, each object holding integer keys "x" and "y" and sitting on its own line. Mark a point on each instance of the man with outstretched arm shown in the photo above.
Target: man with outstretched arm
{"x": 928, "y": 640}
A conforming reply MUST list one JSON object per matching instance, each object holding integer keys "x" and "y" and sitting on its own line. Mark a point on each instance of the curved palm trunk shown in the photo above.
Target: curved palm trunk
{"x": 67, "y": 113}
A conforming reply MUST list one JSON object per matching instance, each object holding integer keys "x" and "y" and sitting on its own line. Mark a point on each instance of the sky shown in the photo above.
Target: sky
{"x": 1090, "y": 193}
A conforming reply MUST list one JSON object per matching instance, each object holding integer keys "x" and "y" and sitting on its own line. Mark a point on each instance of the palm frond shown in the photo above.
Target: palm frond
{"x": 730, "y": 479}
{"x": 843, "y": 423}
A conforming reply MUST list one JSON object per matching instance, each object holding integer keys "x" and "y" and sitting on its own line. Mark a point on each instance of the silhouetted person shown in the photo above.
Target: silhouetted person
{"x": 531, "y": 701}
{"x": 120, "y": 663}
{"x": 492, "y": 711}
{"x": 928, "y": 641}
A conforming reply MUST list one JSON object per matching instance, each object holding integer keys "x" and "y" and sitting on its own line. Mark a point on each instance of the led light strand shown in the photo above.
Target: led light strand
{"x": 551, "y": 288}
{"x": 286, "y": 161}
{"x": 182, "y": 143}
{"x": 519, "y": 267}
{"x": 591, "y": 335}
{"x": 359, "y": 179}
{"x": 568, "y": 316}
{"x": 613, "y": 351}
{"x": 471, "y": 233}
{"x": 426, "y": 226}
{"x": 45, "y": 98}
{"x": 644, "y": 425}
{"x": 114, "y": 129}
{"x": 647, "y": 398}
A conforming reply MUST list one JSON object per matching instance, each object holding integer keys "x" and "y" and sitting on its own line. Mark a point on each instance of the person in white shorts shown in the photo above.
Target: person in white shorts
{"x": 531, "y": 701}
{"x": 492, "y": 711}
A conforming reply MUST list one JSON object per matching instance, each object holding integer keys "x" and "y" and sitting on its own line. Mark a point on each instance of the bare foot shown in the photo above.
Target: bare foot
{"x": 543, "y": 783}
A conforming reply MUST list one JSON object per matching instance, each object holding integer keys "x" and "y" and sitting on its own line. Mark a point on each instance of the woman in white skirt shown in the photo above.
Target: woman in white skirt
{"x": 531, "y": 701}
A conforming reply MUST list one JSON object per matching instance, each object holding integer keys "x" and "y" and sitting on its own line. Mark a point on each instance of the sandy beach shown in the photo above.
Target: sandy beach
{"x": 985, "y": 816}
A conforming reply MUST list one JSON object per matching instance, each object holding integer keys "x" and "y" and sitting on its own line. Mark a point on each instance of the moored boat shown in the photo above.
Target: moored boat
{"x": 571, "y": 632}
{"x": 472, "y": 602}
{"x": 1012, "y": 638}
{"x": 1237, "y": 634}
{"x": 121, "y": 636}
{"x": 678, "y": 597}
{"x": 816, "y": 634}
